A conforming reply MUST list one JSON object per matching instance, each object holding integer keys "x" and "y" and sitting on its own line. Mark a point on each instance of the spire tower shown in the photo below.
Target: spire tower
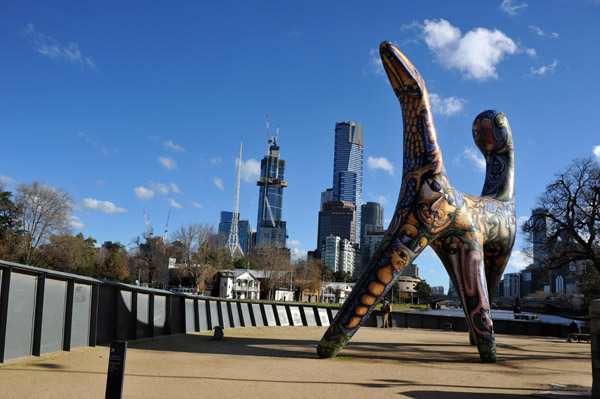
{"x": 233, "y": 241}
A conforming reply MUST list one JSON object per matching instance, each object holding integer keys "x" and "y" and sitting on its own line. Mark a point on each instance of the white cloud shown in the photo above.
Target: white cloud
{"x": 170, "y": 146}
{"x": 167, "y": 162}
{"x": 375, "y": 62}
{"x": 545, "y": 69}
{"x": 555, "y": 35}
{"x": 6, "y": 180}
{"x": 216, "y": 160}
{"x": 512, "y": 9}
{"x": 101, "y": 182}
{"x": 250, "y": 170}
{"x": 143, "y": 193}
{"x": 76, "y": 223}
{"x": 380, "y": 163}
{"x": 476, "y": 54}
{"x": 49, "y": 47}
{"x": 474, "y": 156}
{"x": 597, "y": 151}
{"x": 164, "y": 189}
{"x": 518, "y": 260}
{"x": 294, "y": 243}
{"x": 446, "y": 106}
{"x": 297, "y": 254}
{"x": 197, "y": 205}
{"x": 174, "y": 188}
{"x": 102, "y": 206}
{"x": 175, "y": 204}
{"x": 219, "y": 183}
{"x": 537, "y": 30}
{"x": 382, "y": 199}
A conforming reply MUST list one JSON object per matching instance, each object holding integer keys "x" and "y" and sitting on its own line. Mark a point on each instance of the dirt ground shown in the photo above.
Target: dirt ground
{"x": 281, "y": 362}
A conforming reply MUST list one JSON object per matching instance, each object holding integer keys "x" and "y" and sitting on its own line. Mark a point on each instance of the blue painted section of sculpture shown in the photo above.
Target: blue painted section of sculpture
{"x": 473, "y": 236}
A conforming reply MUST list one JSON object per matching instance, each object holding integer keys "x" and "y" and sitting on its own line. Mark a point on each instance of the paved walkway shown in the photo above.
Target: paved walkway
{"x": 281, "y": 362}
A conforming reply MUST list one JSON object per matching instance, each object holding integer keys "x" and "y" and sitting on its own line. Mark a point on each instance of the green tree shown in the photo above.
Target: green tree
{"x": 10, "y": 226}
{"x": 68, "y": 253}
{"x": 423, "y": 292}
{"x": 112, "y": 262}
{"x": 342, "y": 275}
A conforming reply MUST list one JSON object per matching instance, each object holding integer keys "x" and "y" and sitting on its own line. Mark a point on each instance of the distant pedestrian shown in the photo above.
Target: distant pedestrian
{"x": 386, "y": 308}
{"x": 574, "y": 329}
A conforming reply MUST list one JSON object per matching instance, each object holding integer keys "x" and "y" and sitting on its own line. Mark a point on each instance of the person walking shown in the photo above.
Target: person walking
{"x": 386, "y": 308}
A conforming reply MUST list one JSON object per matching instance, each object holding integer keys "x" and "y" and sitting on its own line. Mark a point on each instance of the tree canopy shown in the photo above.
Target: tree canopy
{"x": 565, "y": 227}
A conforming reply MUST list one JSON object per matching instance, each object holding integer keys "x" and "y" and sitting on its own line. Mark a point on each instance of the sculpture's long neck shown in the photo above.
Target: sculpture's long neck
{"x": 421, "y": 149}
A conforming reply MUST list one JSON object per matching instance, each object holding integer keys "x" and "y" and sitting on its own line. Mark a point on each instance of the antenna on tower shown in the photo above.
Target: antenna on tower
{"x": 167, "y": 227}
{"x": 233, "y": 241}
{"x": 269, "y": 138}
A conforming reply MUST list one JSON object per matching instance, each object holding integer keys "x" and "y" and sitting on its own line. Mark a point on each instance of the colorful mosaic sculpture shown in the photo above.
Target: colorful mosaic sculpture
{"x": 473, "y": 236}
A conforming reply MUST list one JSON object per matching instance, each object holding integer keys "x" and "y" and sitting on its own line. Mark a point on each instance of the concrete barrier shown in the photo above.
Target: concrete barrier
{"x": 44, "y": 311}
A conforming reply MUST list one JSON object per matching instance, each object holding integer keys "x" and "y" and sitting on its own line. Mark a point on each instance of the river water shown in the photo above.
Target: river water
{"x": 501, "y": 315}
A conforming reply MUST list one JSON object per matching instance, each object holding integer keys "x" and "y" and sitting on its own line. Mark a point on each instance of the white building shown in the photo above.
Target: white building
{"x": 336, "y": 292}
{"x": 341, "y": 254}
{"x": 238, "y": 283}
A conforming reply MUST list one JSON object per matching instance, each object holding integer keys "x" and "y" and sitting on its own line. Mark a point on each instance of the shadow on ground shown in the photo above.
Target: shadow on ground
{"x": 439, "y": 352}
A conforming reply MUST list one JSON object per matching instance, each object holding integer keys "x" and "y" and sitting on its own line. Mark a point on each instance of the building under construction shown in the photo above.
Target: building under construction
{"x": 270, "y": 228}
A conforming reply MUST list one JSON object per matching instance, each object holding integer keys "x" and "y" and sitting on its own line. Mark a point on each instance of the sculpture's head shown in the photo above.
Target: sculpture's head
{"x": 404, "y": 77}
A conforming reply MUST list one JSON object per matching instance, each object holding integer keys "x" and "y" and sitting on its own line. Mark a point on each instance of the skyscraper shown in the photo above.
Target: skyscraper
{"x": 244, "y": 232}
{"x": 348, "y": 165}
{"x": 372, "y": 215}
{"x": 337, "y": 219}
{"x": 371, "y": 232}
{"x": 270, "y": 228}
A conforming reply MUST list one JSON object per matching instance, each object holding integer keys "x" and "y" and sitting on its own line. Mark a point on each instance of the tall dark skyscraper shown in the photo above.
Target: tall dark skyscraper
{"x": 271, "y": 229}
{"x": 371, "y": 232}
{"x": 372, "y": 214}
{"x": 348, "y": 165}
{"x": 337, "y": 219}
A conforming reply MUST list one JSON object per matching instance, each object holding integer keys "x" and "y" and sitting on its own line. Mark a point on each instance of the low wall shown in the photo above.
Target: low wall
{"x": 44, "y": 311}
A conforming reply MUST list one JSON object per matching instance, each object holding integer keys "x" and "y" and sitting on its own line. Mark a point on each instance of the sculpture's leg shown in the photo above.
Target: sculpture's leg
{"x": 463, "y": 258}
{"x": 391, "y": 257}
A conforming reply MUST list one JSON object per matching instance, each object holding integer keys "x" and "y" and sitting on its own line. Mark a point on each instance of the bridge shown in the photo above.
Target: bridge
{"x": 509, "y": 301}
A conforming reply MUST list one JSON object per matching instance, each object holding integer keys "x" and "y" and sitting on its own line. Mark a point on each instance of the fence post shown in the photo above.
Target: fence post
{"x": 595, "y": 333}
{"x": 4, "y": 291}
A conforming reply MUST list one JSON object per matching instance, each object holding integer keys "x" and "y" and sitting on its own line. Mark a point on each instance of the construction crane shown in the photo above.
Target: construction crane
{"x": 167, "y": 227}
{"x": 148, "y": 226}
{"x": 270, "y": 139}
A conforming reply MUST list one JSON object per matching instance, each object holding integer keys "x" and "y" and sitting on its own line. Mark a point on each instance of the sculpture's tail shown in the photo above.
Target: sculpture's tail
{"x": 493, "y": 137}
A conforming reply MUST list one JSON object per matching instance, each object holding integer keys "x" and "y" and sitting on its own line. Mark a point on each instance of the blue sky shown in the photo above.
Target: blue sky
{"x": 140, "y": 105}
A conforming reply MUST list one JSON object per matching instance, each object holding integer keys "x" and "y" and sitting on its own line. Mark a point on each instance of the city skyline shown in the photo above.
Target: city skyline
{"x": 143, "y": 108}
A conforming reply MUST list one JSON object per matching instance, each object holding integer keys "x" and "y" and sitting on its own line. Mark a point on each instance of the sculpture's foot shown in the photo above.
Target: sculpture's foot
{"x": 487, "y": 351}
{"x": 332, "y": 342}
